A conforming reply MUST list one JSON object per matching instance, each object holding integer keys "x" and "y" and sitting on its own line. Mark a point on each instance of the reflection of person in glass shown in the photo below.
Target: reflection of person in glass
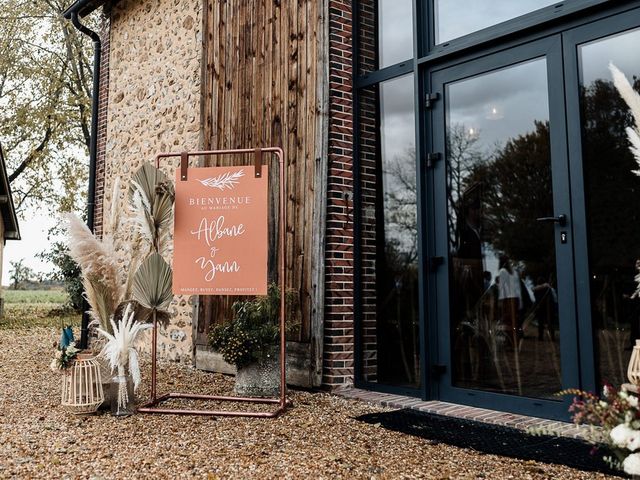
{"x": 546, "y": 307}
{"x": 468, "y": 254}
{"x": 509, "y": 295}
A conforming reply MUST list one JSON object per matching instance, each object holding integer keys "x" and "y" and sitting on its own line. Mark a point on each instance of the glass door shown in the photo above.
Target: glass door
{"x": 503, "y": 246}
{"x": 606, "y": 194}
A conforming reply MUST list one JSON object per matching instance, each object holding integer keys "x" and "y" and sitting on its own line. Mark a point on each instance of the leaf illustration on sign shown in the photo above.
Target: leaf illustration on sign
{"x": 225, "y": 181}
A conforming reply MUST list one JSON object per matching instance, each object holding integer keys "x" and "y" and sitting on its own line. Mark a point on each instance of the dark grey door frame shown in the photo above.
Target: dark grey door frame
{"x": 571, "y": 40}
{"x": 551, "y": 49}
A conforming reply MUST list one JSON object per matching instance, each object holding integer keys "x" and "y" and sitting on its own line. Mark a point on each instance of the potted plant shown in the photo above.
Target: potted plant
{"x": 250, "y": 341}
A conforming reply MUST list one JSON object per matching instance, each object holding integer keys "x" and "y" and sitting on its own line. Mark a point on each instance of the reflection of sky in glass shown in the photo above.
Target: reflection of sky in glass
{"x": 455, "y": 18}
{"x": 499, "y": 105}
{"x": 620, "y": 49}
{"x": 395, "y": 20}
{"x": 397, "y": 141}
{"x": 397, "y": 117}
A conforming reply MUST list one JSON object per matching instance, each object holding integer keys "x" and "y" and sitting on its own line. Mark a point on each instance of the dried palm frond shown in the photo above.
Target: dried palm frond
{"x": 134, "y": 262}
{"x": 152, "y": 284}
{"x": 147, "y": 178}
{"x": 163, "y": 206}
{"x": 120, "y": 349}
{"x": 632, "y": 99}
{"x": 151, "y": 207}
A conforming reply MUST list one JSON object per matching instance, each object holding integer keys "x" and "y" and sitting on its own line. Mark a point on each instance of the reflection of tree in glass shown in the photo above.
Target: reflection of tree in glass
{"x": 400, "y": 209}
{"x": 516, "y": 191}
{"x": 613, "y": 191}
{"x": 462, "y": 154}
{"x": 397, "y": 273}
{"x": 612, "y": 194}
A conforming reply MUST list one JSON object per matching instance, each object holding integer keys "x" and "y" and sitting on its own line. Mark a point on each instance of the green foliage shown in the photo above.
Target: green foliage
{"x": 45, "y": 85}
{"x": 19, "y": 273}
{"x": 68, "y": 272}
{"x": 57, "y": 297}
{"x": 19, "y": 316}
{"x": 252, "y": 335}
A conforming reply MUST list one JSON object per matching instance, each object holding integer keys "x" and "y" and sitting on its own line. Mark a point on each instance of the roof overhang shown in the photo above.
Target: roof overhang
{"x": 84, "y": 7}
{"x": 9, "y": 217}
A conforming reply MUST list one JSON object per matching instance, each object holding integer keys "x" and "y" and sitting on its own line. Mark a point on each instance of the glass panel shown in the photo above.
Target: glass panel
{"x": 395, "y": 30}
{"x": 389, "y": 234}
{"x": 386, "y": 33}
{"x": 503, "y": 302}
{"x": 455, "y": 18}
{"x": 613, "y": 201}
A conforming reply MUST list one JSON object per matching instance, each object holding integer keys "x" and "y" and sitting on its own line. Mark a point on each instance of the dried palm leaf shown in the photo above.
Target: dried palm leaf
{"x": 152, "y": 284}
{"x": 147, "y": 177}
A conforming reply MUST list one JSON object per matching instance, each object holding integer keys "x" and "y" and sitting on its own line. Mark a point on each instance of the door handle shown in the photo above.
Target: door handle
{"x": 560, "y": 219}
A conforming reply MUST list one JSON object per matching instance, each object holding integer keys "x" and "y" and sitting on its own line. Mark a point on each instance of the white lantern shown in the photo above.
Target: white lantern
{"x": 633, "y": 372}
{"x": 82, "y": 385}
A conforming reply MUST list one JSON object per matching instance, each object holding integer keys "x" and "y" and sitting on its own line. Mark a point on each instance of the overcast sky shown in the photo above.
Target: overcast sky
{"x": 33, "y": 229}
{"x": 500, "y": 105}
{"x": 455, "y": 18}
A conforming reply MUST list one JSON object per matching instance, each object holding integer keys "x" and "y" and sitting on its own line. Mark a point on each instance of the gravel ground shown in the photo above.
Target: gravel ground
{"x": 318, "y": 438}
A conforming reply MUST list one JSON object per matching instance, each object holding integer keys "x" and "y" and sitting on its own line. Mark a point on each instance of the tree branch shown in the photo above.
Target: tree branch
{"x": 33, "y": 155}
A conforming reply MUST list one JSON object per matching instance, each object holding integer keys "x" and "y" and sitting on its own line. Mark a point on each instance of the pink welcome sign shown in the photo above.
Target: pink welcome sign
{"x": 220, "y": 232}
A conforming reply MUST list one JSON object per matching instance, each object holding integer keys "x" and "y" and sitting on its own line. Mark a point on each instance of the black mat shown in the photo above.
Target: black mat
{"x": 493, "y": 439}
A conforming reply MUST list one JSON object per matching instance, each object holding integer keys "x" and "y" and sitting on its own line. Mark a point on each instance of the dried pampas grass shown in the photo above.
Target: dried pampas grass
{"x": 97, "y": 259}
{"x": 632, "y": 99}
{"x": 120, "y": 349}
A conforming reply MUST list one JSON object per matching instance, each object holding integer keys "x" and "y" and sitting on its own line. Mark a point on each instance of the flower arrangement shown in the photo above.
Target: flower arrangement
{"x": 618, "y": 415}
{"x": 64, "y": 356}
{"x": 252, "y": 334}
{"x": 66, "y": 350}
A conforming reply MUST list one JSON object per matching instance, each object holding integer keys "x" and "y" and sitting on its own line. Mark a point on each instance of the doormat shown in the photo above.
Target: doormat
{"x": 492, "y": 439}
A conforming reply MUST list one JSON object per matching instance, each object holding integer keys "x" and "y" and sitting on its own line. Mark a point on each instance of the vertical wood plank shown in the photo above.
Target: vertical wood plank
{"x": 264, "y": 60}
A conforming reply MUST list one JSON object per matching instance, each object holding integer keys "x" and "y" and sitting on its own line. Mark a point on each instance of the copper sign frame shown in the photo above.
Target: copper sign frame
{"x": 281, "y": 401}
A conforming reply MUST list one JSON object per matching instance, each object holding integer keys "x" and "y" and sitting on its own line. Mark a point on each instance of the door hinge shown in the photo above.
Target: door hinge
{"x": 435, "y": 262}
{"x": 438, "y": 369}
{"x": 432, "y": 158}
{"x": 430, "y": 98}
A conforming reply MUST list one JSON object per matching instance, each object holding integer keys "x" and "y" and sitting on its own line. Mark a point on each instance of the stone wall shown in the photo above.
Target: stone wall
{"x": 155, "y": 51}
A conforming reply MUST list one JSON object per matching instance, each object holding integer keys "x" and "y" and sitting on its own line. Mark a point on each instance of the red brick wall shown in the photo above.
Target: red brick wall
{"x": 103, "y": 99}
{"x": 338, "y": 338}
